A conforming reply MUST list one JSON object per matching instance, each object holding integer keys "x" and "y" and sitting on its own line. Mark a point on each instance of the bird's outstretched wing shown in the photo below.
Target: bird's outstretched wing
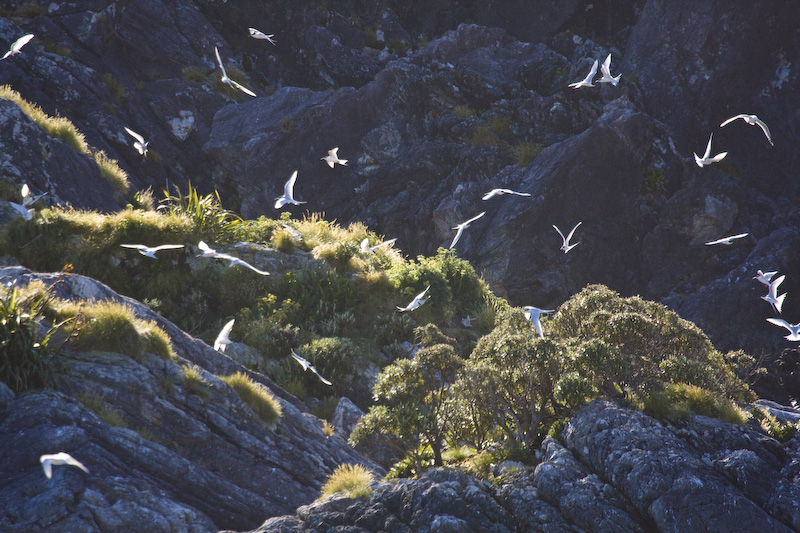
{"x": 134, "y": 134}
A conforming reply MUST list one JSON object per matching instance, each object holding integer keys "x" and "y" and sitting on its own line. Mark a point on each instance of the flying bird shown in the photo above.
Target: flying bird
{"x": 461, "y": 228}
{"x": 706, "y": 159}
{"x": 139, "y": 143}
{"x": 230, "y": 82}
{"x": 500, "y": 192}
{"x": 17, "y": 45}
{"x": 753, "y": 121}
{"x": 288, "y": 193}
{"x": 256, "y": 34}
{"x": 367, "y": 249}
{"x": 533, "y": 314}
{"x": 794, "y": 329}
{"x": 764, "y": 277}
{"x": 467, "y": 321}
{"x": 417, "y": 301}
{"x": 772, "y": 294}
{"x": 223, "y": 339}
{"x": 727, "y": 240}
{"x": 148, "y": 251}
{"x": 27, "y": 199}
{"x": 61, "y": 458}
{"x": 605, "y": 70}
{"x": 207, "y": 251}
{"x": 25, "y": 212}
{"x": 566, "y": 246}
{"x": 587, "y": 81}
{"x": 236, "y": 261}
{"x": 332, "y": 158}
{"x": 308, "y": 366}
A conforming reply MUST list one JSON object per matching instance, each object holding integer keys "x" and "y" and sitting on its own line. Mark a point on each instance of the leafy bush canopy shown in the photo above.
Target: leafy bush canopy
{"x": 516, "y": 386}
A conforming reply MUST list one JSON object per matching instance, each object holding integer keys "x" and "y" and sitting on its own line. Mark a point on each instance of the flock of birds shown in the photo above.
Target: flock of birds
{"x": 533, "y": 314}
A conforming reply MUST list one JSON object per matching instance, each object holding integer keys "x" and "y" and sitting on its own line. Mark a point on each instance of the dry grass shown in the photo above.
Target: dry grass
{"x": 113, "y": 327}
{"x": 255, "y": 395}
{"x": 353, "y": 481}
{"x": 63, "y": 129}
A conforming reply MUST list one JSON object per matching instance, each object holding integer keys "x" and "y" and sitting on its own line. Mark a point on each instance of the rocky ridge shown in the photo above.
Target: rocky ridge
{"x": 612, "y": 469}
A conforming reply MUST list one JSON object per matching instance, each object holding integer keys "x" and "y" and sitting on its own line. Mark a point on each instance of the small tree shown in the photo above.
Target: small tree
{"x": 411, "y": 394}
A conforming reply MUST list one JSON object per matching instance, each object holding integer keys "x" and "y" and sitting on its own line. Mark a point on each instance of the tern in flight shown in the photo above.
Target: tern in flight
{"x": 308, "y": 366}
{"x": 533, "y": 314}
{"x": 764, "y": 277}
{"x": 148, "y": 251}
{"x": 461, "y": 228}
{"x": 288, "y": 193}
{"x": 332, "y": 158}
{"x": 566, "y": 246}
{"x": 772, "y": 294}
{"x": 27, "y": 199}
{"x": 367, "y": 249}
{"x": 139, "y": 143}
{"x": 207, "y": 251}
{"x": 223, "y": 339}
{"x": 61, "y": 458}
{"x": 728, "y": 240}
{"x": 794, "y": 329}
{"x": 230, "y": 82}
{"x": 417, "y": 301}
{"x": 587, "y": 81}
{"x": 706, "y": 159}
{"x": 17, "y": 45}
{"x": 500, "y": 192}
{"x": 605, "y": 70}
{"x": 753, "y": 121}
{"x": 256, "y": 34}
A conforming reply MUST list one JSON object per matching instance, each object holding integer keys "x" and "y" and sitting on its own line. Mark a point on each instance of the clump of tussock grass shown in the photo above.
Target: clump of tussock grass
{"x": 114, "y": 327}
{"x": 352, "y": 481}
{"x": 63, "y": 129}
{"x": 256, "y": 396}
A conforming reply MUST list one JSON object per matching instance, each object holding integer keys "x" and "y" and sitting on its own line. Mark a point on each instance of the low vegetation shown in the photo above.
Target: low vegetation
{"x": 351, "y": 481}
{"x": 113, "y": 327}
{"x": 516, "y": 387}
{"x": 63, "y": 129}
{"x": 256, "y": 396}
{"x": 27, "y": 359}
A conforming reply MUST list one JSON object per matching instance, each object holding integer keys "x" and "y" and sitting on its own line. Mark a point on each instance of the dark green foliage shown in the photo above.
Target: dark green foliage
{"x": 678, "y": 400}
{"x": 411, "y": 396}
{"x": 26, "y": 358}
{"x": 206, "y": 212}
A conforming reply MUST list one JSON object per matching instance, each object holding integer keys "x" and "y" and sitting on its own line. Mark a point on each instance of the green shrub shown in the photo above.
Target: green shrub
{"x": 781, "y": 431}
{"x": 352, "y": 481}
{"x": 207, "y": 213}
{"x": 256, "y": 396}
{"x": 26, "y": 359}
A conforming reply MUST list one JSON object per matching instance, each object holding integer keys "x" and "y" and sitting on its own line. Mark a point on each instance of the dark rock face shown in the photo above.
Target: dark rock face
{"x": 432, "y": 113}
{"x": 614, "y": 469}
{"x": 182, "y": 458}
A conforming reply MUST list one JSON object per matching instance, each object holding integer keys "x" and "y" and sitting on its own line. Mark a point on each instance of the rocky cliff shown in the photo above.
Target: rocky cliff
{"x": 163, "y": 455}
{"x": 612, "y": 469}
{"x": 432, "y": 114}
{"x": 433, "y": 104}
